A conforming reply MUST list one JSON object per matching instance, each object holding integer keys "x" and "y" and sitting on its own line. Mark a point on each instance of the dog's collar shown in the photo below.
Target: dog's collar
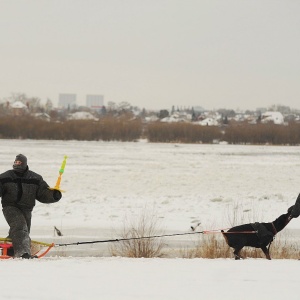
{"x": 274, "y": 229}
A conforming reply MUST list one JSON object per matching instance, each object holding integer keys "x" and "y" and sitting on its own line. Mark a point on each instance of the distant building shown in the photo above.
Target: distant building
{"x": 95, "y": 101}
{"x": 208, "y": 122}
{"x": 43, "y": 116}
{"x": 18, "y": 108}
{"x": 261, "y": 109}
{"x": 272, "y": 116}
{"x": 67, "y": 100}
{"x": 199, "y": 109}
{"x": 81, "y": 115}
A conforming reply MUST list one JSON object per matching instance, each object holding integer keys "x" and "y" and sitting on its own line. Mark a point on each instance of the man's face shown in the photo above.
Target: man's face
{"x": 17, "y": 163}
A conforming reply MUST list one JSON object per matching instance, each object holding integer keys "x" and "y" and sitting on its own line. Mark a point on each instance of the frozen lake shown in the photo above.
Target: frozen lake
{"x": 182, "y": 184}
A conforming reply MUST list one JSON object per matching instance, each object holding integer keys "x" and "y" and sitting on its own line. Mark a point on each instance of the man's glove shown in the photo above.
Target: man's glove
{"x": 56, "y": 195}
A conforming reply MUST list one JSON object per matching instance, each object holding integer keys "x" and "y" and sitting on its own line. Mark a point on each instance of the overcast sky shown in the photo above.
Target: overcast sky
{"x": 153, "y": 53}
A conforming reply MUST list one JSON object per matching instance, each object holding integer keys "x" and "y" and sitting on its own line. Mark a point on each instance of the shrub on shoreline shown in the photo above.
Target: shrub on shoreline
{"x": 128, "y": 129}
{"x": 106, "y": 129}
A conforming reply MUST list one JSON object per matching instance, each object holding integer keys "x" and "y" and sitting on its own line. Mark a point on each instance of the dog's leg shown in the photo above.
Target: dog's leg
{"x": 266, "y": 252}
{"x": 236, "y": 253}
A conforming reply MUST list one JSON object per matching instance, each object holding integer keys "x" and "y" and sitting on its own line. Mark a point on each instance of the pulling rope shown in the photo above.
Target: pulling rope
{"x": 148, "y": 237}
{"x": 127, "y": 239}
{"x": 7, "y": 242}
{"x": 51, "y": 245}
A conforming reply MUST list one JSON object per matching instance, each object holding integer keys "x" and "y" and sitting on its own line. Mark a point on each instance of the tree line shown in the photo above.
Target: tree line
{"x": 128, "y": 129}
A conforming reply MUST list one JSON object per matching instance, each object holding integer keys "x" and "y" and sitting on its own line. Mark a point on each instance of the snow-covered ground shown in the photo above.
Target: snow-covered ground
{"x": 145, "y": 279}
{"x": 182, "y": 185}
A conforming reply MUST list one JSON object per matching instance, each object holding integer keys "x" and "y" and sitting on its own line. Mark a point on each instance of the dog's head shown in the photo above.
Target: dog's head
{"x": 281, "y": 221}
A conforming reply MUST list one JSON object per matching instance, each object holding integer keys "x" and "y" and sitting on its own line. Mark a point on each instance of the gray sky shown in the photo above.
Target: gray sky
{"x": 153, "y": 53}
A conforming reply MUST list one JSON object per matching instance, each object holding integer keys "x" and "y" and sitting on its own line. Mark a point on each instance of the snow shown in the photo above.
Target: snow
{"x": 81, "y": 115}
{"x": 127, "y": 279}
{"x": 18, "y": 104}
{"x": 273, "y": 116}
{"x": 208, "y": 122}
{"x": 182, "y": 185}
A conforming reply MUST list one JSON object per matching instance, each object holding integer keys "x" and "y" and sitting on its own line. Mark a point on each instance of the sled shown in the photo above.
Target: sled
{"x": 38, "y": 249}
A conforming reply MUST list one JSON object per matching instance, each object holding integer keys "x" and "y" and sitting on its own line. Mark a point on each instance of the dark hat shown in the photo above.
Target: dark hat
{"x": 23, "y": 166}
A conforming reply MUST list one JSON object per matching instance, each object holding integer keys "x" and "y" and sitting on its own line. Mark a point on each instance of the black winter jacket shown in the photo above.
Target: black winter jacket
{"x": 22, "y": 191}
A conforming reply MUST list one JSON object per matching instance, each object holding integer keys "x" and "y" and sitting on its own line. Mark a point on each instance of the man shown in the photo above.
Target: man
{"x": 19, "y": 188}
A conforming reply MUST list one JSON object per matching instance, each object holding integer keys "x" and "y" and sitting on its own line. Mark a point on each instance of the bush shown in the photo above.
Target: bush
{"x": 262, "y": 134}
{"x": 125, "y": 128}
{"x": 106, "y": 129}
{"x": 182, "y": 133}
{"x": 137, "y": 243}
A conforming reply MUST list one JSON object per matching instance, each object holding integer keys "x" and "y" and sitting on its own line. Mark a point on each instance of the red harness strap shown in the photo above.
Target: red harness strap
{"x": 274, "y": 229}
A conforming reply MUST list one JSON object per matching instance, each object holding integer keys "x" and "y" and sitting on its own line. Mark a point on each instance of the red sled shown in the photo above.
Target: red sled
{"x": 39, "y": 249}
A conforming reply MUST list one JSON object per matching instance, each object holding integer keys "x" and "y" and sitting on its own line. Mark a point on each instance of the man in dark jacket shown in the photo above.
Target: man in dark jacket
{"x": 19, "y": 188}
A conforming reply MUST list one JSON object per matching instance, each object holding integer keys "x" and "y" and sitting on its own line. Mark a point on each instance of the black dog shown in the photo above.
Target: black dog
{"x": 258, "y": 235}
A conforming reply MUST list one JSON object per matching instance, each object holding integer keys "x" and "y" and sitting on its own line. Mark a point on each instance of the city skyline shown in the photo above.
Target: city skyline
{"x": 96, "y": 102}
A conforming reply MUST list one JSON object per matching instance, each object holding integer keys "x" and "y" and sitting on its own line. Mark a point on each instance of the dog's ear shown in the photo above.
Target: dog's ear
{"x": 290, "y": 209}
{"x": 294, "y": 213}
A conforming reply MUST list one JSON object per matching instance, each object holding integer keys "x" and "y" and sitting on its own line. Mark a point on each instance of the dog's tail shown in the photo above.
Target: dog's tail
{"x": 225, "y": 236}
